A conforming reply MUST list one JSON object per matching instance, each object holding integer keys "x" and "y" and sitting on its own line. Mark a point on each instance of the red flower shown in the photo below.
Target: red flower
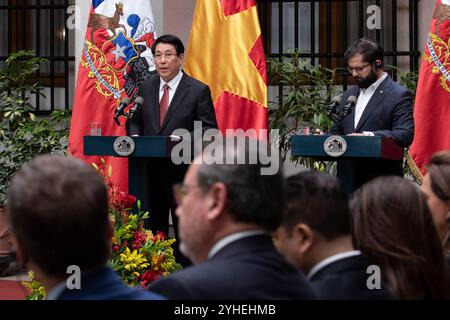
{"x": 127, "y": 200}
{"x": 139, "y": 239}
{"x": 149, "y": 277}
{"x": 160, "y": 236}
{"x": 122, "y": 200}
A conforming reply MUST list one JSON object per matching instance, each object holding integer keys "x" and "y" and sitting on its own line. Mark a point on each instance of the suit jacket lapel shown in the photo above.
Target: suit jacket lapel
{"x": 374, "y": 102}
{"x": 177, "y": 99}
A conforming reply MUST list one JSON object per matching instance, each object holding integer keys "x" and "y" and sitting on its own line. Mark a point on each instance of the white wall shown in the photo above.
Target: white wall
{"x": 426, "y": 8}
{"x": 178, "y": 17}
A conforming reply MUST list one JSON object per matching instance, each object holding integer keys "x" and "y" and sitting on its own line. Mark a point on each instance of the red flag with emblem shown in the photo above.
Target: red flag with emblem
{"x": 432, "y": 105}
{"x": 226, "y": 52}
{"x": 116, "y": 58}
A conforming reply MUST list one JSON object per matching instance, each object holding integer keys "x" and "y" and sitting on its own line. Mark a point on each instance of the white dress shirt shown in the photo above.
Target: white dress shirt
{"x": 173, "y": 85}
{"x": 364, "y": 97}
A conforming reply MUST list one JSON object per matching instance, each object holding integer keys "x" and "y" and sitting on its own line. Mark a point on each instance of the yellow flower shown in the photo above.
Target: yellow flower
{"x": 42, "y": 291}
{"x": 133, "y": 261}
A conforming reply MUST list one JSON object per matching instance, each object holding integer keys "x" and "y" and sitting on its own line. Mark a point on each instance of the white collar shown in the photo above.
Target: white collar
{"x": 173, "y": 84}
{"x": 322, "y": 264}
{"x": 219, "y": 245}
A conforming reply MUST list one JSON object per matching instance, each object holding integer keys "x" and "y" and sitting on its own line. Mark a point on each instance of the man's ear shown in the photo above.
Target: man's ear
{"x": 305, "y": 237}
{"x": 217, "y": 199}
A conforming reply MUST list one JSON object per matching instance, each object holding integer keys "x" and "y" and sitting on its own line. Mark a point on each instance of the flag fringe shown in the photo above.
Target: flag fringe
{"x": 413, "y": 168}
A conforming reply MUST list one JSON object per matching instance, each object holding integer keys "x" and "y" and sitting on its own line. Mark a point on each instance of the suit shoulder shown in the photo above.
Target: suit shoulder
{"x": 195, "y": 82}
{"x": 393, "y": 87}
{"x": 150, "y": 81}
{"x": 397, "y": 87}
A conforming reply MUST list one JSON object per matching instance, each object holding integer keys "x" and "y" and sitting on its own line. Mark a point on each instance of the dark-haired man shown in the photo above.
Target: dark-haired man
{"x": 315, "y": 237}
{"x": 227, "y": 212}
{"x": 383, "y": 109}
{"x": 58, "y": 211}
{"x": 172, "y": 100}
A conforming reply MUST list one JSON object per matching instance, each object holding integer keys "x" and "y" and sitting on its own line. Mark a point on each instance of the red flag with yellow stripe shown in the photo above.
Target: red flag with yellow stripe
{"x": 226, "y": 52}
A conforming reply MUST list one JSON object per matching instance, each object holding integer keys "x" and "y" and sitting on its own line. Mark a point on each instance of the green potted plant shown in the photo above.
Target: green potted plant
{"x": 307, "y": 90}
{"x": 23, "y": 135}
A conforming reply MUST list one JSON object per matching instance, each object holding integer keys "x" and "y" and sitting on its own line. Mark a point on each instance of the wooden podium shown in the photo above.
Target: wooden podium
{"x": 145, "y": 147}
{"x": 358, "y": 149}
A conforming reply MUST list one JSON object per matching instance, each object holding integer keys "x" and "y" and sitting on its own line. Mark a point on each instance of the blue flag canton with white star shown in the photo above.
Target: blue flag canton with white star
{"x": 124, "y": 48}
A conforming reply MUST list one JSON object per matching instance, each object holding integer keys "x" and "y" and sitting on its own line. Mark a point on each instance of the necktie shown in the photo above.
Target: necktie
{"x": 164, "y": 104}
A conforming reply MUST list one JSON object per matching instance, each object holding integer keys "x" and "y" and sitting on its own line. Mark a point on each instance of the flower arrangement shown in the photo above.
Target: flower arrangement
{"x": 138, "y": 256}
{"x": 36, "y": 289}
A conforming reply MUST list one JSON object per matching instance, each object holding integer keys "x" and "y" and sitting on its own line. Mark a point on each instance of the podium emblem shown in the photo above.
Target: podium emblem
{"x": 335, "y": 146}
{"x": 124, "y": 146}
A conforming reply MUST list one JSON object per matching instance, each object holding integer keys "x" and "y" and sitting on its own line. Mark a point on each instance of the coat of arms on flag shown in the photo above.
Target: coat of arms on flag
{"x": 116, "y": 59}
{"x": 438, "y": 47}
{"x": 117, "y": 47}
{"x": 431, "y": 108}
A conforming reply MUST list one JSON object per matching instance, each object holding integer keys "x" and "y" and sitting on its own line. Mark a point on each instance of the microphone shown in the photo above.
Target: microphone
{"x": 119, "y": 110}
{"x": 138, "y": 102}
{"x": 351, "y": 101}
{"x": 123, "y": 104}
{"x": 335, "y": 102}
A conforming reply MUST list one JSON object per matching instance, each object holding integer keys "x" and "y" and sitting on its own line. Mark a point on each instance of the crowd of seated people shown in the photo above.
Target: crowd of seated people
{"x": 249, "y": 235}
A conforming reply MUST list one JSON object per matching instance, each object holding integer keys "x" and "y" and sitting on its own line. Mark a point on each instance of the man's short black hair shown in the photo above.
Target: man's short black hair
{"x": 369, "y": 49}
{"x": 169, "y": 39}
{"x": 317, "y": 200}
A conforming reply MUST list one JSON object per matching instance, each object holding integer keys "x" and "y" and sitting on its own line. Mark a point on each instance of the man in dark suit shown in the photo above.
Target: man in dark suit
{"x": 58, "y": 211}
{"x": 226, "y": 214}
{"x": 383, "y": 109}
{"x": 172, "y": 100}
{"x": 315, "y": 237}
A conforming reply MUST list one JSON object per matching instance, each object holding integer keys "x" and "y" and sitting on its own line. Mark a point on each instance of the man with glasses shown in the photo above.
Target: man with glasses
{"x": 227, "y": 211}
{"x": 172, "y": 100}
{"x": 383, "y": 108}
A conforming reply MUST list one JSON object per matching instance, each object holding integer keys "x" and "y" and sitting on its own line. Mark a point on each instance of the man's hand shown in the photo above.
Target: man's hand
{"x": 319, "y": 132}
{"x": 356, "y": 134}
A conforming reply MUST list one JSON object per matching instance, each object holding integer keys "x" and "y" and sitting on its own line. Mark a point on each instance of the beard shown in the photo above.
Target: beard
{"x": 366, "y": 82}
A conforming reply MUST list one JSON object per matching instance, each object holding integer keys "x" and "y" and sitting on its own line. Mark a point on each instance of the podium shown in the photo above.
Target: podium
{"x": 358, "y": 149}
{"x": 145, "y": 147}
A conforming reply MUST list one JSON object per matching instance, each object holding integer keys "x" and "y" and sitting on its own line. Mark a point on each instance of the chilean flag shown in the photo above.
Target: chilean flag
{"x": 432, "y": 105}
{"x": 116, "y": 55}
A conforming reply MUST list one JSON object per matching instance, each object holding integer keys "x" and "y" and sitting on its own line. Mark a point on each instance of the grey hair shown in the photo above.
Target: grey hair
{"x": 251, "y": 196}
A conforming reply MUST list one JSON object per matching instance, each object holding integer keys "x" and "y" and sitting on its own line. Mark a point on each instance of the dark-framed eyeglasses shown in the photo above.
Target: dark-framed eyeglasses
{"x": 168, "y": 56}
{"x": 180, "y": 190}
{"x": 357, "y": 69}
